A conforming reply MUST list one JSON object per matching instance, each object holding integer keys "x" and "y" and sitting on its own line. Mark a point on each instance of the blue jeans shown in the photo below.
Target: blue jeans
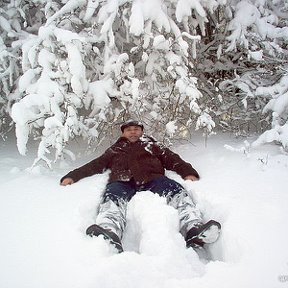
{"x": 112, "y": 210}
{"x": 124, "y": 191}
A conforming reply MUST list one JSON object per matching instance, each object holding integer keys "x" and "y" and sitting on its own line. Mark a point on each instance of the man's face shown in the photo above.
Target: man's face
{"x": 132, "y": 133}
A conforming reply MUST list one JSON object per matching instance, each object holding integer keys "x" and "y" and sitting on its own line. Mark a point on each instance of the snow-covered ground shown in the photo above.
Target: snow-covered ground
{"x": 43, "y": 242}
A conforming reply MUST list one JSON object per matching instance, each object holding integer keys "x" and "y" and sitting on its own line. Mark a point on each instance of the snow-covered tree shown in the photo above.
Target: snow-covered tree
{"x": 93, "y": 64}
{"x": 10, "y": 27}
{"x": 268, "y": 81}
{"x": 79, "y": 67}
{"x": 244, "y": 60}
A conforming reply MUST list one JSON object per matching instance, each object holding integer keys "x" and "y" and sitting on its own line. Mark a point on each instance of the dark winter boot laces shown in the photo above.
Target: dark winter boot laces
{"x": 111, "y": 237}
{"x": 202, "y": 234}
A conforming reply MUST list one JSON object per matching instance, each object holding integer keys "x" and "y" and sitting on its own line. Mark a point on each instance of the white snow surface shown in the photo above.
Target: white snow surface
{"x": 43, "y": 242}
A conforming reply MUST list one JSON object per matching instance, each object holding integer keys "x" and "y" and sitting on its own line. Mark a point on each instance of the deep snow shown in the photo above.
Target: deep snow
{"x": 43, "y": 242}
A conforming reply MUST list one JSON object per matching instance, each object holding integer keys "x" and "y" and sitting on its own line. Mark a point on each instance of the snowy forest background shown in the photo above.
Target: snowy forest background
{"x": 78, "y": 68}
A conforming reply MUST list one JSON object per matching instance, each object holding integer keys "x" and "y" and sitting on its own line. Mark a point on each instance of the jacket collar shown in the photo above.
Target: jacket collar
{"x": 142, "y": 139}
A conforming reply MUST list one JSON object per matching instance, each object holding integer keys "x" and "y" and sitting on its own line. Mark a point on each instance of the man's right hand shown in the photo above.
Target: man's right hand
{"x": 67, "y": 181}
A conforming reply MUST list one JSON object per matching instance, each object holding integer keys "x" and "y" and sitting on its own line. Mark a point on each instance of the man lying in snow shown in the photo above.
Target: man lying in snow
{"x": 137, "y": 163}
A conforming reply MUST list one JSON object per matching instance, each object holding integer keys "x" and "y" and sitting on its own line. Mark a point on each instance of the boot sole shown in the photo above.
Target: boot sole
{"x": 209, "y": 234}
{"x": 112, "y": 238}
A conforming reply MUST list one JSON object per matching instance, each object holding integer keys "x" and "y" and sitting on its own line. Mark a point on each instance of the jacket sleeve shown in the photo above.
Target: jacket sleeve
{"x": 172, "y": 161}
{"x": 96, "y": 166}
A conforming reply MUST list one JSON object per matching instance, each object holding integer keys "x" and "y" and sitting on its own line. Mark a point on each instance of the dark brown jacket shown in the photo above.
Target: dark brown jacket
{"x": 143, "y": 160}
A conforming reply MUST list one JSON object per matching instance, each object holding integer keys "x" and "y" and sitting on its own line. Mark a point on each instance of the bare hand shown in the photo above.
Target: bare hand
{"x": 191, "y": 177}
{"x": 67, "y": 181}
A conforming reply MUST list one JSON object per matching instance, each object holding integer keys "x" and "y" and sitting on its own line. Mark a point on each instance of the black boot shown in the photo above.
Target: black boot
{"x": 96, "y": 230}
{"x": 202, "y": 234}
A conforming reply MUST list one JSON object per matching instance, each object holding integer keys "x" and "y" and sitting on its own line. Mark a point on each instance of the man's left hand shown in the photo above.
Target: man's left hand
{"x": 191, "y": 177}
